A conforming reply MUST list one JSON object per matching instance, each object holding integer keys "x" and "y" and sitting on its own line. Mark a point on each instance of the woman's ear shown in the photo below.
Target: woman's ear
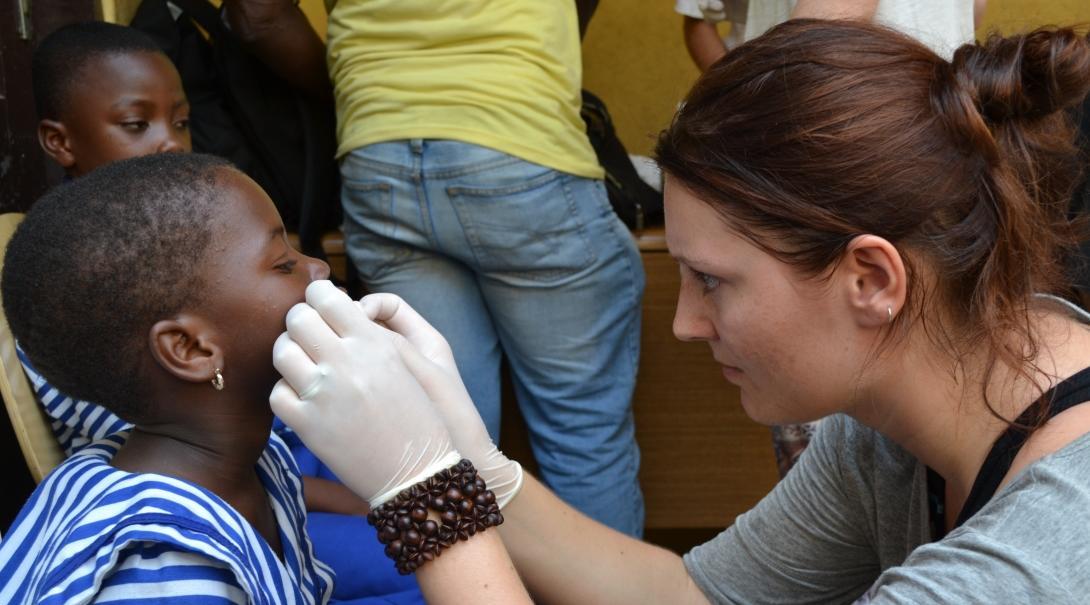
{"x": 53, "y": 137}
{"x": 876, "y": 280}
{"x": 185, "y": 347}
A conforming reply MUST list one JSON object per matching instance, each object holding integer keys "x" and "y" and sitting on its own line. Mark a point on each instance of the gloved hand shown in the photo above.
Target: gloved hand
{"x": 350, "y": 396}
{"x": 439, "y": 377}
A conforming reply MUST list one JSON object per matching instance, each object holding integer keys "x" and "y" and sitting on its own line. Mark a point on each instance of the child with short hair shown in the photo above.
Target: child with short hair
{"x": 177, "y": 277}
{"x": 106, "y": 92}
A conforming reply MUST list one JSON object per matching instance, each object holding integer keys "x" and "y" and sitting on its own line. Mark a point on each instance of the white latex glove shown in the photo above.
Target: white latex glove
{"x": 350, "y": 396}
{"x": 439, "y": 377}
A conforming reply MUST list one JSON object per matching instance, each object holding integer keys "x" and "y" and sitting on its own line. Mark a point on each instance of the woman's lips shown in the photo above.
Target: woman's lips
{"x": 732, "y": 374}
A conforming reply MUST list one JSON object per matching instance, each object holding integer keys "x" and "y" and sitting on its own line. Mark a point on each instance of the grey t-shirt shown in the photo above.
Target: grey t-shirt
{"x": 851, "y": 518}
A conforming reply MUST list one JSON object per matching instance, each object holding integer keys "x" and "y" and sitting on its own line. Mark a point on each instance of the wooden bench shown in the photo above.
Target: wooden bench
{"x": 703, "y": 461}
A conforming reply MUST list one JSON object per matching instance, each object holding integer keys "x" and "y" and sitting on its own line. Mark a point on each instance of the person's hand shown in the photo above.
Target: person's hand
{"x": 439, "y": 377}
{"x": 350, "y": 396}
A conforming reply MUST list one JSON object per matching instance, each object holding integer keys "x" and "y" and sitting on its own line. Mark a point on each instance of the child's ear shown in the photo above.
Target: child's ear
{"x": 185, "y": 347}
{"x": 53, "y": 137}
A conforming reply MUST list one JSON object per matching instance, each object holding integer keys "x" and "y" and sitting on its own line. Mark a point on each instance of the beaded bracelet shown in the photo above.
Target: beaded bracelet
{"x": 465, "y": 506}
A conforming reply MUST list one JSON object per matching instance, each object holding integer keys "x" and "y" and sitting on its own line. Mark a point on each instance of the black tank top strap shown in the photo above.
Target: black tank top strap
{"x": 1065, "y": 395}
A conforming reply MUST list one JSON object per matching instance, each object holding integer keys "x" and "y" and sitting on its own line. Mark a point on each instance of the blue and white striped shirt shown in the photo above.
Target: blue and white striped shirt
{"x": 76, "y": 422}
{"x": 93, "y": 533}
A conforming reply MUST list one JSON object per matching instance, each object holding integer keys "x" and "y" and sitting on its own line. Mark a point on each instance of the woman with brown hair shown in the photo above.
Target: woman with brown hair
{"x": 864, "y": 231}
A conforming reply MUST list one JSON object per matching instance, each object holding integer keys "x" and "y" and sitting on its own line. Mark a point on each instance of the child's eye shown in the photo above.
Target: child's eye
{"x": 135, "y": 125}
{"x": 182, "y": 124}
{"x": 287, "y": 267}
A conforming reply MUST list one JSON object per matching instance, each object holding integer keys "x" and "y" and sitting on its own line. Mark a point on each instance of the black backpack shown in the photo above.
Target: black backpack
{"x": 242, "y": 111}
{"x": 634, "y": 201}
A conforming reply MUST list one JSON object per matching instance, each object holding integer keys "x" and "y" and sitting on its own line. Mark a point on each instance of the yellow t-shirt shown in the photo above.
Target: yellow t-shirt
{"x": 503, "y": 74}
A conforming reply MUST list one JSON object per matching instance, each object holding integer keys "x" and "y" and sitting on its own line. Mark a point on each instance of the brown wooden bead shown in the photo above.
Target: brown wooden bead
{"x": 388, "y": 534}
{"x": 465, "y": 507}
{"x": 429, "y": 528}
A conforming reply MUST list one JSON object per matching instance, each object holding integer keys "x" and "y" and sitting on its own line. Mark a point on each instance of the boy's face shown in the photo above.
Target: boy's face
{"x": 253, "y": 278}
{"x": 124, "y": 105}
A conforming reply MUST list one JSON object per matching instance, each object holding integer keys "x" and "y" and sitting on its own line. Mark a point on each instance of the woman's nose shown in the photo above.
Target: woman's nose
{"x": 690, "y": 320}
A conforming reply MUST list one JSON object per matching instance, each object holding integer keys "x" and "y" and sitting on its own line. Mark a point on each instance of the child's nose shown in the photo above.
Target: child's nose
{"x": 318, "y": 269}
{"x": 172, "y": 145}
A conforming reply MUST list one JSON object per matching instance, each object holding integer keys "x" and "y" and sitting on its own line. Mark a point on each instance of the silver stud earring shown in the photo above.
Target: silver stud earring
{"x": 217, "y": 380}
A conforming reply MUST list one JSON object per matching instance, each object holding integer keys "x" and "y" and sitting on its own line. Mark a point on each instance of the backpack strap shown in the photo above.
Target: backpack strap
{"x": 1065, "y": 395}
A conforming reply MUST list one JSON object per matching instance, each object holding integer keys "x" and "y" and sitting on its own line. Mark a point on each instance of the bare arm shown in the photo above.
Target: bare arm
{"x": 862, "y": 10}
{"x": 703, "y": 42}
{"x": 278, "y": 33}
{"x": 477, "y": 570}
{"x": 565, "y": 557}
{"x": 325, "y": 496}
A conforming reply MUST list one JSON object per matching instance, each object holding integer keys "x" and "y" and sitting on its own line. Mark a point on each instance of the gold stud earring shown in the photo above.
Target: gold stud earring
{"x": 217, "y": 380}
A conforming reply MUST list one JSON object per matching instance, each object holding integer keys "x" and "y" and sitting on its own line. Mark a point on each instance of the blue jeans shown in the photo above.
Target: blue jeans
{"x": 507, "y": 257}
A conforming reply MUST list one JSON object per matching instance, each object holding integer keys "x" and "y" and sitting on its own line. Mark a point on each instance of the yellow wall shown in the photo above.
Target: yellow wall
{"x": 1010, "y": 16}
{"x": 634, "y": 57}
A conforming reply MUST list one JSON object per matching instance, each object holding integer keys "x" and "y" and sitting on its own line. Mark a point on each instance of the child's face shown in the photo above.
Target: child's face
{"x": 126, "y": 105}
{"x": 253, "y": 278}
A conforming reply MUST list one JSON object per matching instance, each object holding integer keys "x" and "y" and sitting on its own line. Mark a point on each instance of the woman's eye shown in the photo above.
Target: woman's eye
{"x": 287, "y": 267}
{"x": 135, "y": 125}
{"x": 707, "y": 282}
{"x": 710, "y": 283}
{"x": 182, "y": 124}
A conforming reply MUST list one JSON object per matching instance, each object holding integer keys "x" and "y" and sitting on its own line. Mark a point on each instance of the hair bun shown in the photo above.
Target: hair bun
{"x": 1026, "y": 76}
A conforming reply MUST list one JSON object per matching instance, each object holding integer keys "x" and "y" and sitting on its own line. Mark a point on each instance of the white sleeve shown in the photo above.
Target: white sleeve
{"x": 154, "y": 574}
{"x": 688, "y": 8}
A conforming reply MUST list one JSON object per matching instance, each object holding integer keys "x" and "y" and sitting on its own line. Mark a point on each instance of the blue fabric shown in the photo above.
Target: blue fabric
{"x": 507, "y": 257}
{"x": 347, "y": 544}
{"x": 89, "y": 527}
{"x": 75, "y": 422}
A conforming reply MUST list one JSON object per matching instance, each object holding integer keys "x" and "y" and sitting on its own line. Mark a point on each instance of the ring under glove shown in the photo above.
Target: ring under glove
{"x": 351, "y": 398}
